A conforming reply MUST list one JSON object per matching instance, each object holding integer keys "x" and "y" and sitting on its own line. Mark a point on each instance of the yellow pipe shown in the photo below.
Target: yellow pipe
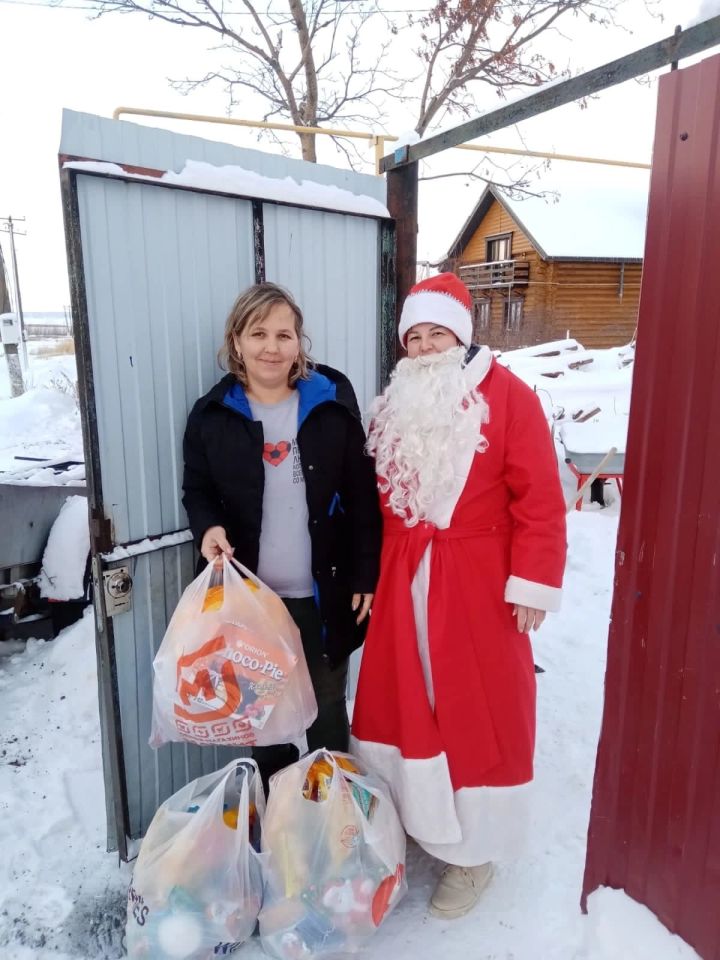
{"x": 378, "y": 140}
{"x": 263, "y": 124}
{"x": 553, "y": 156}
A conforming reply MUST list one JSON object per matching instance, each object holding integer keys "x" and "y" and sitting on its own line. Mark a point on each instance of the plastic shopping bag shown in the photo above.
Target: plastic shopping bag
{"x": 336, "y": 861}
{"x": 197, "y": 885}
{"x": 231, "y": 670}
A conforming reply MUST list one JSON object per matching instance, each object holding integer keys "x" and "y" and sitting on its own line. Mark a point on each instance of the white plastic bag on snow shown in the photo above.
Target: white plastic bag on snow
{"x": 197, "y": 884}
{"x": 336, "y": 862}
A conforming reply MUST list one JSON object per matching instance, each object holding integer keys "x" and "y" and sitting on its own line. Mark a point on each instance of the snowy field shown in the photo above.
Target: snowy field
{"x": 43, "y": 423}
{"x": 63, "y": 897}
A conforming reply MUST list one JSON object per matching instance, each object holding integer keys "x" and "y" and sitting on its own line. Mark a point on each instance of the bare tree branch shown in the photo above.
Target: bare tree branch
{"x": 465, "y": 43}
{"x": 515, "y": 190}
{"x": 315, "y": 62}
{"x": 309, "y": 64}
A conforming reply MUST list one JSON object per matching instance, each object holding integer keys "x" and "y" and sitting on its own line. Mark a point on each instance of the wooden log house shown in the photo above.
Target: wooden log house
{"x": 543, "y": 268}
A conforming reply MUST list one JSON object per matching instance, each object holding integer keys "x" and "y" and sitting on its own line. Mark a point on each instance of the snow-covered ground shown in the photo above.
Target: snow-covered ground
{"x": 573, "y": 382}
{"x": 63, "y": 897}
{"x": 570, "y": 378}
{"x": 43, "y": 423}
{"x": 586, "y": 398}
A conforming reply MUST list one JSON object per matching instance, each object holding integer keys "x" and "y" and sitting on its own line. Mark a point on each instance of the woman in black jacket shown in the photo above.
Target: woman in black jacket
{"x": 276, "y": 475}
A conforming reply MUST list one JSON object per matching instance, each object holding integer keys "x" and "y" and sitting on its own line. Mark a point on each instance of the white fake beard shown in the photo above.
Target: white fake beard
{"x": 426, "y": 412}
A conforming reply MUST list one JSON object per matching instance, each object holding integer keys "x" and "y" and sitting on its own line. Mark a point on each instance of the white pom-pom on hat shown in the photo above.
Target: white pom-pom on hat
{"x": 443, "y": 300}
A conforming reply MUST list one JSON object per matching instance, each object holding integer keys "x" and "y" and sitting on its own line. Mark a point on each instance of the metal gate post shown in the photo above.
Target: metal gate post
{"x": 100, "y": 533}
{"x": 402, "y": 193}
{"x": 387, "y": 321}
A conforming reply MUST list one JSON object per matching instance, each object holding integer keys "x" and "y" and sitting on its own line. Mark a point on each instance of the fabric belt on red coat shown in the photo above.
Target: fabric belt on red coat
{"x": 395, "y": 526}
{"x": 421, "y": 534}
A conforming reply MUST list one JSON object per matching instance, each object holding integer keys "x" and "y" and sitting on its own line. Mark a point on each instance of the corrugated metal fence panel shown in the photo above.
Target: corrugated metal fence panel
{"x": 162, "y": 270}
{"x": 98, "y": 138}
{"x": 330, "y": 262}
{"x": 654, "y": 827}
{"x": 152, "y": 775}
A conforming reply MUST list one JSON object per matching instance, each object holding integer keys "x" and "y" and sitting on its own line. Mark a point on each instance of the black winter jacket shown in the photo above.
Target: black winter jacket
{"x": 224, "y": 480}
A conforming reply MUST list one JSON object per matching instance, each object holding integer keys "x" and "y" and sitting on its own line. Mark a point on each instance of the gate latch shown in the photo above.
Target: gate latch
{"x": 118, "y": 590}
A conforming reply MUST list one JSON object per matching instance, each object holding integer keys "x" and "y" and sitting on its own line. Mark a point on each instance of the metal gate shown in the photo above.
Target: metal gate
{"x": 154, "y": 267}
{"x": 654, "y": 825}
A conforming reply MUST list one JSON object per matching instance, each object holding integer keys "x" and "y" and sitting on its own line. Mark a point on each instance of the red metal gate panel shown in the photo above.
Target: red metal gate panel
{"x": 655, "y": 819}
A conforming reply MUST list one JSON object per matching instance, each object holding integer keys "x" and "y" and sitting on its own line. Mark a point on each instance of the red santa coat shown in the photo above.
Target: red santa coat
{"x": 445, "y": 705}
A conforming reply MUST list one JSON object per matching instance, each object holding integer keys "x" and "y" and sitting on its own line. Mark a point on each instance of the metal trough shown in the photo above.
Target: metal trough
{"x": 585, "y": 463}
{"x": 26, "y": 514}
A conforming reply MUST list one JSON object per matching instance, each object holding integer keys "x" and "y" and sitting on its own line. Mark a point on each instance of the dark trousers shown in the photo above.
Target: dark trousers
{"x": 331, "y": 728}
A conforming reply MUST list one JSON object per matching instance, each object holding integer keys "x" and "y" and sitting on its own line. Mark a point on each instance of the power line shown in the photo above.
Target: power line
{"x": 36, "y": 3}
{"x": 230, "y": 13}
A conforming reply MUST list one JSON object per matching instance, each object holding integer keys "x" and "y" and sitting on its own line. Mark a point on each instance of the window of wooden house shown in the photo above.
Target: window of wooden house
{"x": 513, "y": 314}
{"x": 498, "y": 248}
{"x": 481, "y": 315}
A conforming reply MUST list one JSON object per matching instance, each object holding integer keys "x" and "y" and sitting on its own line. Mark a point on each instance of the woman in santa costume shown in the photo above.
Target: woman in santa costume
{"x": 473, "y": 557}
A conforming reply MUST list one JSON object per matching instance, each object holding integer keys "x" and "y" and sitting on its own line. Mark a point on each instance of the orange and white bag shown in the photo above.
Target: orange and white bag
{"x": 231, "y": 670}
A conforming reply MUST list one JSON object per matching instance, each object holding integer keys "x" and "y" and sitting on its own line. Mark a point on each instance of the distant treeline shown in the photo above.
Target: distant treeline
{"x": 50, "y": 317}
{"x": 41, "y": 326}
{"x": 45, "y": 331}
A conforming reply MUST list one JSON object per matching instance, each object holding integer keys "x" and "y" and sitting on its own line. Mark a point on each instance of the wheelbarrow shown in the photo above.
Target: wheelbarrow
{"x": 585, "y": 468}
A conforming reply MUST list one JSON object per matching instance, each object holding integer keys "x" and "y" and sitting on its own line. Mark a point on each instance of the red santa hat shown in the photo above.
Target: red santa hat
{"x": 443, "y": 300}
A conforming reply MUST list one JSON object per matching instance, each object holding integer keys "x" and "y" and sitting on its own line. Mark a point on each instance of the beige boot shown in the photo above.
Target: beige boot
{"x": 459, "y": 889}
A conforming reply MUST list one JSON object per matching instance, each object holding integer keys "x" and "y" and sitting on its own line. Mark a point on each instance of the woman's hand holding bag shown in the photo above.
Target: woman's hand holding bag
{"x": 231, "y": 670}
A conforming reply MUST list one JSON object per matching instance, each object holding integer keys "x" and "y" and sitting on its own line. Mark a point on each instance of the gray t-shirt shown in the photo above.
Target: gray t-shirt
{"x": 285, "y": 562}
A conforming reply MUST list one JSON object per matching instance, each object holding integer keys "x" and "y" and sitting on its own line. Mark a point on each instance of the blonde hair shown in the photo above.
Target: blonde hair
{"x": 251, "y": 307}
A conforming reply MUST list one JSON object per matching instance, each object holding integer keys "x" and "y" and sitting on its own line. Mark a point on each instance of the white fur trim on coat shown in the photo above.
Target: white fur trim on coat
{"x": 421, "y": 790}
{"x": 495, "y": 825}
{"x": 527, "y": 593}
{"x": 478, "y": 368}
{"x": 466, "y": 827}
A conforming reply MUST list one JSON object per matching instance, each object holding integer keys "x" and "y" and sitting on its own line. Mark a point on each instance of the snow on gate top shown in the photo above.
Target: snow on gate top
{"x": 233, "y": 179}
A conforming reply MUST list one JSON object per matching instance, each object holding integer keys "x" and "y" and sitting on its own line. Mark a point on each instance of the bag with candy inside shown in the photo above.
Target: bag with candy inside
{"x": 197, "y": 884}
{"x": 231, "y": 670}
{"x": 336, "y": 862}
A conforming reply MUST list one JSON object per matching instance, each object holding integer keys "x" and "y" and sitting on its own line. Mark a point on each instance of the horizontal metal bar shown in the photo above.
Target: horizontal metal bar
{"x": 137, "y": 548}
{"x": 676, "y": 47}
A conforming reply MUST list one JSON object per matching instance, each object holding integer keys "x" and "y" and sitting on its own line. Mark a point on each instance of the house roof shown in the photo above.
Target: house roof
{"x": 584, "y": 221}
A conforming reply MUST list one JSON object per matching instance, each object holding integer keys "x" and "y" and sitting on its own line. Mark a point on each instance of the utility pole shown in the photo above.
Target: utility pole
{"x": 9, "y": 228}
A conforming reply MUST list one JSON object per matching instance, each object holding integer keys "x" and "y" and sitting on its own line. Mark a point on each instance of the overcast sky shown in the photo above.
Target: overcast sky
{"x": 56, "y": 57}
